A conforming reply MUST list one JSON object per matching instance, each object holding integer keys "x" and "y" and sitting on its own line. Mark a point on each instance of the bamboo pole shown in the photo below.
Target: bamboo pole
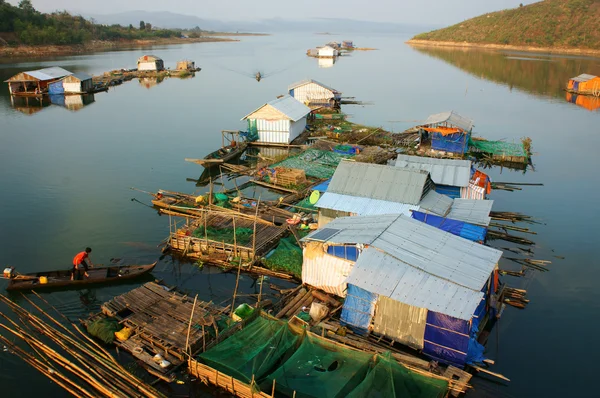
{"x": 187, "y": 340}
{"x": 234, "y": 239}
{"x": 237, "y": 281}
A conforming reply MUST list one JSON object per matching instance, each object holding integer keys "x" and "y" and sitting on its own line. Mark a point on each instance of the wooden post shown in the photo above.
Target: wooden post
{"x": 262, "y": 279}
{"x": 254, "y": 232}
{"x": 210, "y": 192}
{"x": 237, "y": 281}
{"x": 234, "y": 239}
{"x": 205, "y": 215}
{"x": 273, "y": 390}
{"x": 203, "y": 340}
{"x": 187, "y": 340}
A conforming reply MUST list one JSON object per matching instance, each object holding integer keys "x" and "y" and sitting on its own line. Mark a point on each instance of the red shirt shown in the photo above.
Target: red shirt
{"x": 79, "y": 258}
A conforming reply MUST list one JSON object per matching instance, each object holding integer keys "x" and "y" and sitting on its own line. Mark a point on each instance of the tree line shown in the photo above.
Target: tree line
{"x": 33, "y": 27}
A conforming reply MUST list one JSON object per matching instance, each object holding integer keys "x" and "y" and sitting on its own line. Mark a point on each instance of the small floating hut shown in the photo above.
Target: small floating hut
{"x": 186, "y": 65}
{"x": 35, "y": 82}
{"x": 150, "y": 62}
{"x": 327, "y": 52}
{"x": 77, "y": 83}
{"x": 278, "y": 121}
{"x": 449, "y": 132}
{"x": 314, "y": 94}
{"x": 584, "y": 84}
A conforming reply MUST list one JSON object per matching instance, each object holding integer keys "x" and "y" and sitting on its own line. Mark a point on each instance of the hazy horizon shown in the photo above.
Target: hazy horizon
{"x": 425, "y": 12}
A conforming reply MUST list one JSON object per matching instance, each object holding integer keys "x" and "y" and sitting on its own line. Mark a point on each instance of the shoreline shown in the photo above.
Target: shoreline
{"x": 552, "y": 50}
{"x": 28, "y": 52}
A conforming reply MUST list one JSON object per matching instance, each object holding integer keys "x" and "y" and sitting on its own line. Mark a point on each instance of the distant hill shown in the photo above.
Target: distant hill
{"x": 181, "y": 21}
{"x": 566, "y": 24}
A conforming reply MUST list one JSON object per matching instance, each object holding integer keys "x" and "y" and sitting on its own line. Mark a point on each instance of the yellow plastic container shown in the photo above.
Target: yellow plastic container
{"x": 123, "y": 334}
{"x": 43, "y": 280}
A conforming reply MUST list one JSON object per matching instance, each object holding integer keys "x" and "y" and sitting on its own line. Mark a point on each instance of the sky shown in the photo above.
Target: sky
{"x": 417, "y": 12}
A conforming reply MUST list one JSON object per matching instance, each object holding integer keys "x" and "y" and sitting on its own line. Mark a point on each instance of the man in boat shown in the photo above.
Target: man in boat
{"x": 80, "y": 264}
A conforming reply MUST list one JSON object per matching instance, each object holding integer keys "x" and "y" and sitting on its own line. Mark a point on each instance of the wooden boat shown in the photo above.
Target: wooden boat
{"x": 231, "y": 148}
{"x": 62, "y": 278}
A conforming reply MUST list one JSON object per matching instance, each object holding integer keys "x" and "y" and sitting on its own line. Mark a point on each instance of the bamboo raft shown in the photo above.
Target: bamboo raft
{"x": 161, "y": 321}
{"x": 264, "y": 238}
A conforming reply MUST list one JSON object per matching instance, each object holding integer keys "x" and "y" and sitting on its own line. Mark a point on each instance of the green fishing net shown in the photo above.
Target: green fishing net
{"x": 104, "y": 329}
{"x": 500, "y": 148}
{"x": 287, "y": 257}
{"x": 243, "y": 236}
{"x": 314, "y": 162}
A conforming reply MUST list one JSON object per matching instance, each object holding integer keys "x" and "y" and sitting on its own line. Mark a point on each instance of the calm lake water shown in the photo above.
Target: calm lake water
{"x": 65, "y": 176}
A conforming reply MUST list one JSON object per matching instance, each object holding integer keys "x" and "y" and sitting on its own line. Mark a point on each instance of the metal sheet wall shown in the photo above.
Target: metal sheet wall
{"x": 276, "y": 131}
{"x": 311, "y": 92}
{"x": 72, "y": 87}
{"x": 402, "y": 322}
{"x": 297, "y": 128}
{"x": 324, "y": 271}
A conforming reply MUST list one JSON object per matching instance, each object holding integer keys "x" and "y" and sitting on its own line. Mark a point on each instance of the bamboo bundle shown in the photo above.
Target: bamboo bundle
{"x": 228, "y": 383}
{"x": 93, "y": 372}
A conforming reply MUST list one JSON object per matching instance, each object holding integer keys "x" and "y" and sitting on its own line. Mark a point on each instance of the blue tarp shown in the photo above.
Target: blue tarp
{"x": 446, "y": 339}
{"x": 322, "y": 187}
{"x": 456, "y": 143}
{"x": 448, "y": 190}
{"x": 475, "y": 352}
{"x": 56, "y": 88}
{"x": 465, "y": 230}
{"x": 345, "y": 252}
{"x": 358, "y": 309}
{"x": 57, "y": 99}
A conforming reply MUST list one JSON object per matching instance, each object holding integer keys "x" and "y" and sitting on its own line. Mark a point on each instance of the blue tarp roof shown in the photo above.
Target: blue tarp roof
{"x": 322, "y": 187}
{"x": 459, "y": 228}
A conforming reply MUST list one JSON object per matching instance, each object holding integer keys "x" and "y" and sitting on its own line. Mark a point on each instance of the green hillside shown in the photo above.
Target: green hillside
{"x": 549, "y": 23}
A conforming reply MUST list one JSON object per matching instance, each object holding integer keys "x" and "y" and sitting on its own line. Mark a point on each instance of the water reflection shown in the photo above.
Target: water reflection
{"x": 72, "y": 102}
{"x": 326, "y": 62}
{"x": 585, "y": 101}
{"x": 29, "y": 105}
{"x": 538, "y": 74}
{"x": 151, "y": 81}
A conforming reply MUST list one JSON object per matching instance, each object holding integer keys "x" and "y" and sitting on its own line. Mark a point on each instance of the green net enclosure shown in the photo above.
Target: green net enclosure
{"x": 314, "y": 162}
{"x": 320, "y": 369}
{"x": 104, "y": 329}
{"x": 499, "y": 148}
{"x": 286, "y": 257}
{"x": 255, "y": 350}
{"x": 243, "y": 236}
{"x": 390, "y": 379}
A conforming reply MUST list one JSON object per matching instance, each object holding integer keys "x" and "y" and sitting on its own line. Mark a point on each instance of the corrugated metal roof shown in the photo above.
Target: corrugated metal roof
{"x": 54, "y": 72}
{"x": 381, "y": 182}
{"x": 424, "y": 247}
{"x": 436, "y": 203}
{"x": 452, "y": 172}
{"x": 381, "y": 273}
{"x": 288, "y": 105}
{"x": 149, "y": 57}
{"x": 362, "y": 230}
{"x": 472, "y": 211}
{"x": 82, "y": 76}
{"x": 584, "y": 77}
{"x": 307, "y": 81}
{"x": 452, "y": 118}
{"x": 363, "y": 206}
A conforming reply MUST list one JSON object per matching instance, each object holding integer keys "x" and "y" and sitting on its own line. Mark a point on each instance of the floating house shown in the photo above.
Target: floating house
{"x": 449, "y": 132}
{"x": 455, "y": 178}
{"x": 347, "y": 44}
{"x": 313, "y": 93}
{"x": 77, "y": 83}
{"x": 150, "y": 62}
{"x": 327, "y": 52}
{"x": 360, "y": 189}
{"x": 585, "y": 84}
{"x": 186, "y": 65}
{"x": 35, "y": 82}
{"x": 278, "y": 121}
{"x": 407, "y": 281}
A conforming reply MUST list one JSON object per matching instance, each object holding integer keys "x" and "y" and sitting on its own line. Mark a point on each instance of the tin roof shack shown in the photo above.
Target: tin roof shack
{"x": 584, "y": 84}
{"x": 449, "y": 132}
{"x": 150, "y": 62}
{"x": 327, "y": 52}
{"x": 77, "y": 83}
{"x": 455, "y": 178}
{"x": 408, "y": 281}
{"x": 347, "y": 45}
{"x": 360, "y": 189}
{"x": 186, "y": 65}
{"x": 278, "y": 121}
{"x": 313, "y": 93}
{"x": 35, "y": 82}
